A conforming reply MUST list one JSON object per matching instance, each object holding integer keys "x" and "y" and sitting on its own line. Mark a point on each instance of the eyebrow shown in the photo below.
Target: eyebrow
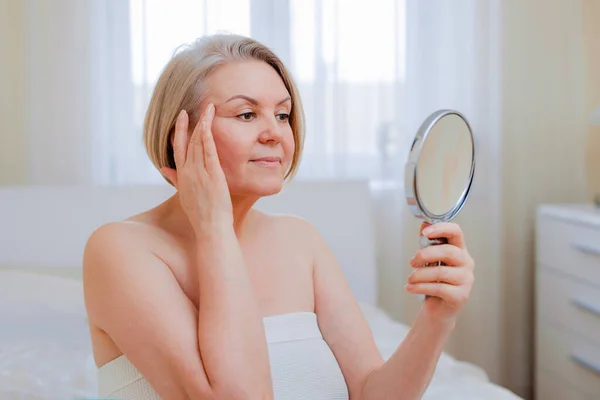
{"x": 253, "y": 101}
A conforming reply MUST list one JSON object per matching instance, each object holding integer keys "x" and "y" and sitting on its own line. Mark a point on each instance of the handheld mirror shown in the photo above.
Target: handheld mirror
{"x": 440, "y": 167}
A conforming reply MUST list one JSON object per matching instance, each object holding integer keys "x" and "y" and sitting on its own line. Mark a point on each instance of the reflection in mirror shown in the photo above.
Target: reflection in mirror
{"x": 443, "y": 170}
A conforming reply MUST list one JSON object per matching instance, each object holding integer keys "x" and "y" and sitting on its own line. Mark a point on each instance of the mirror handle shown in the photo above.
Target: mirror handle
{"x": 426, "y": 242}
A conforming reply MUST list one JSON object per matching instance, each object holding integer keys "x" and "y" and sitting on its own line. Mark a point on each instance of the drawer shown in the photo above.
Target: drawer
{"x": 566, "y": 355}
{"x": 571, "y": 248}
{"x": 568, "y": 303}
{"x": 551, "y": 387}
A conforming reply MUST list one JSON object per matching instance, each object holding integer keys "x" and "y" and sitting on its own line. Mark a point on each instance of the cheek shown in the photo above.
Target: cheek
{"x": 230, "y": 148}
{"x": 288, "y": 145}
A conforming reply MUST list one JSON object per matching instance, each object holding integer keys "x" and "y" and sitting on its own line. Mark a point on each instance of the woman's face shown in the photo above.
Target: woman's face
{"x": 251, "y": 127}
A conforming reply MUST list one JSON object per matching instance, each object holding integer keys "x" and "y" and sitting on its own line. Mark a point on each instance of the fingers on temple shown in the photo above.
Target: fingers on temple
{"x": 211, "y": 158}
{"x": 180, "y": 139}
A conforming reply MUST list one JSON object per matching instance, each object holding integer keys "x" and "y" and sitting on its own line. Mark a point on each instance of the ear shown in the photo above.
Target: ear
{"x": 171, "y": 175}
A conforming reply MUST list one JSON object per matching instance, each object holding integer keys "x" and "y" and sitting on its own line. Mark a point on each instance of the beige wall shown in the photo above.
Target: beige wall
{"x": 591, "y": 32}
{"x": 545, "y": 115}
{"x": 47, "y": 103}
{"x": 13, "y": 107}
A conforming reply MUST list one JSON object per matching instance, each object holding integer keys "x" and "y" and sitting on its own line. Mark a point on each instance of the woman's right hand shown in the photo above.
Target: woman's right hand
{"x": 199, "y": 178}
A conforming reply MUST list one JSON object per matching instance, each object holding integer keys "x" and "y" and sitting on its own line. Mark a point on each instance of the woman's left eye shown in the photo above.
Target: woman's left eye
{"x": 247, "y": 116}
{"x": 283, "y": 117}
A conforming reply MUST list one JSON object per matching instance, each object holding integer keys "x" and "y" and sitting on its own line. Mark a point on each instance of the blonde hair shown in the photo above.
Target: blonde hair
{"x": 181, "y": 85}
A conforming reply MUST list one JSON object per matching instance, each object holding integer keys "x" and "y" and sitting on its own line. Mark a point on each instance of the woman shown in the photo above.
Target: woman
{"x": 204, "y": 297}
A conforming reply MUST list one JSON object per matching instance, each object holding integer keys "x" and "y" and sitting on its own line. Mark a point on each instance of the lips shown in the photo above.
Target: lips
{"x": 269, "y": 162}
{"x": 267, "y": 159}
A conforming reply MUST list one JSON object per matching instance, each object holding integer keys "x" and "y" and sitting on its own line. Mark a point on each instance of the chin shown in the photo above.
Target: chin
{"x": 260, "y": 187}
{"x": 264, "y": 189}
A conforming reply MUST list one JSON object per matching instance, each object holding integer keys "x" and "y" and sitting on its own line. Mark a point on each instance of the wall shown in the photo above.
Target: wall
{"x": 543, "y": 146}
{"x": 591, "y": 36}
{"x": 48, "y": 115}
{"x": 13, "y": 105}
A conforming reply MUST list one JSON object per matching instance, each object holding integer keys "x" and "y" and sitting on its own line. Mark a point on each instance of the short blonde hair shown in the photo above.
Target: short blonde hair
{"x": 181, "y": 86}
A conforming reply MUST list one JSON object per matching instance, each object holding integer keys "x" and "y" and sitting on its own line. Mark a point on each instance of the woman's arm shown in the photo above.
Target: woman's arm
{"x": 231, "y": 333}
{"x": 408, "y": 372}
{"x": 133, "y": 296}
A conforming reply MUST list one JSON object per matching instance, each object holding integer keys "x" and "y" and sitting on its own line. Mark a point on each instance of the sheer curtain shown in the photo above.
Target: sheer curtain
{"x": 369, "y": 72}
{"x": 351, "y": 80}
{"x": 453, "y": 61}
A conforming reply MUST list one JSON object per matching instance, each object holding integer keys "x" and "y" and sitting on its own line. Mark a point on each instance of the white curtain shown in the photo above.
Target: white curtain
{"x": 369, "y": 73}
{"x": 453, "y": 61}
{"x": 351, "y": 80}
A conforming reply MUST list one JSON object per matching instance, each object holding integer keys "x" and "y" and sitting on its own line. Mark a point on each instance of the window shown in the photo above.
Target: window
{"x": 346, "y": 56}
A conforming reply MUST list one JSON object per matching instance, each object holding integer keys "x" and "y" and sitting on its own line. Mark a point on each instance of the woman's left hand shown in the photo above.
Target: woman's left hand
{"x": 450, "y": 285}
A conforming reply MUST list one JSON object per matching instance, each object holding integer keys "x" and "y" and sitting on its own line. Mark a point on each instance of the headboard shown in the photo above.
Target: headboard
{"x": 44, "y": 228}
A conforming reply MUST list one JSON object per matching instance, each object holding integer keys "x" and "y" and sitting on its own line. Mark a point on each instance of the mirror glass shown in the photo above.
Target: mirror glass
{"x": 441, "y": 166}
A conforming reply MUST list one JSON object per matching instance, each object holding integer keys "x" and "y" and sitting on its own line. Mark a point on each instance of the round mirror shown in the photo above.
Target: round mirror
{"x": 440, "y": 167}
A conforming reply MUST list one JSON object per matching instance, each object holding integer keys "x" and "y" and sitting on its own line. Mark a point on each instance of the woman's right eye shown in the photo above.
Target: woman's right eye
{"x": 247, "y": 116}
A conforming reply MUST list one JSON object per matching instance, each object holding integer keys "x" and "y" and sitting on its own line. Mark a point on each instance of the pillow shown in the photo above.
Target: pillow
{"x": 45, "y": 349}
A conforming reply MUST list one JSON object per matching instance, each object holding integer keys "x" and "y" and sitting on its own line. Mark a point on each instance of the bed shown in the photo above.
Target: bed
{"x": 45, "y": 351}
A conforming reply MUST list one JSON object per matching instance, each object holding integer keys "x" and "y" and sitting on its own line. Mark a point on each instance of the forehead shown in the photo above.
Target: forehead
{"x": 255, "y": 79}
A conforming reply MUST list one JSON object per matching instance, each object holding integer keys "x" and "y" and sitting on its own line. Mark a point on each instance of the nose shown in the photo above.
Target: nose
{"x": 270, "y": 131}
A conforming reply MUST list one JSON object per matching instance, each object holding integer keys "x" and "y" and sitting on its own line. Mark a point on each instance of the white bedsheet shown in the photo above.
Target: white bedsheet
{"x": 452, "y": 380}
{"x": 45, "y": 351}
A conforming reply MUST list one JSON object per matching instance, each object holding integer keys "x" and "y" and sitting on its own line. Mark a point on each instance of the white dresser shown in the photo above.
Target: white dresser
{"x": 567, "y": 303}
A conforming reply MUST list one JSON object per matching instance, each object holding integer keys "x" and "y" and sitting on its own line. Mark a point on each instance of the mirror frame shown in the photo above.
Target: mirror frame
{"x": 410, "y": 172}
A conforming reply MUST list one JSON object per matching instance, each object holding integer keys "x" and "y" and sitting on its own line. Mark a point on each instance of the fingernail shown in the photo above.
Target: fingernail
{"x": 407, "y": 286}
{"x": 211, "y": 110}
{"x": 427, "y": 231}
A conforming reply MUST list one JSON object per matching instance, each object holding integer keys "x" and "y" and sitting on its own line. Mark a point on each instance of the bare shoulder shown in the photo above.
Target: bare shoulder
{"x": 111, "y": 235}
{"x": 115, "y": 240}
{"x": 128, "y": 238}
{"x": 290, "y": 221}
{"x": 293, "y": 226}
{"x": 137, "y": 307}
{"x": 115, "y": 235}
{"x": 116, "y": 256}
{"x": 108, "y": 252}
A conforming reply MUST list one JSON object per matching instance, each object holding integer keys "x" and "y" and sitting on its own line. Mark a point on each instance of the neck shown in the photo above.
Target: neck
{"x": 241, "y": 206}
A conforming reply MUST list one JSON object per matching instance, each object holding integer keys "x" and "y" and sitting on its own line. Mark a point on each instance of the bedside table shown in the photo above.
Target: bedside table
{"x": 567, "y": 303}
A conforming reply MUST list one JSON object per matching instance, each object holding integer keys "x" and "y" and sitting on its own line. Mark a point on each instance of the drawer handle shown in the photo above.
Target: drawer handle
{"x": 582, "y": 305}
{"x": 589, "y": 365}
{"x": 586, "y": 248}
